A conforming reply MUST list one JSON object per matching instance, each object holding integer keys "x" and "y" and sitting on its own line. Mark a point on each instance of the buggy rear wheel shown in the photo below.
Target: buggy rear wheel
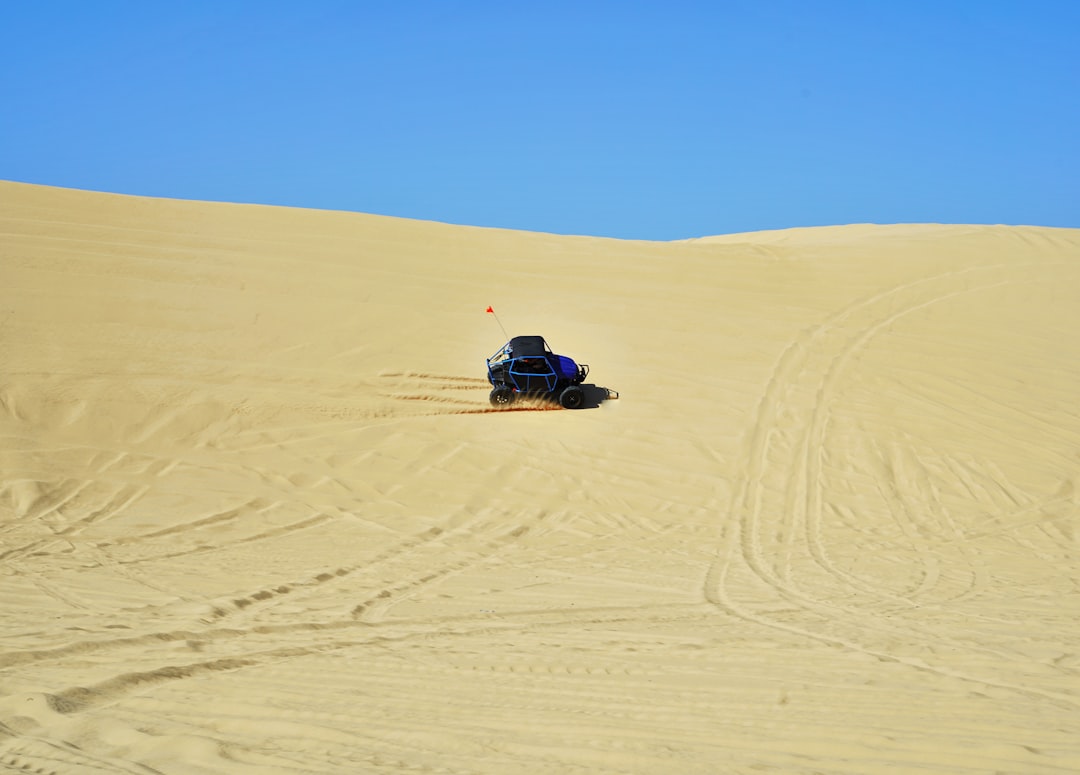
{"x": 502, "y": 395}
{"x": 572, "y": 397}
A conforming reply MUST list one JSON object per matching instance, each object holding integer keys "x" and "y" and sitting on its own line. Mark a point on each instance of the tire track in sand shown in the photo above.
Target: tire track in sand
{"x": 783, "y": 480}
{"x": 95, "y": 494}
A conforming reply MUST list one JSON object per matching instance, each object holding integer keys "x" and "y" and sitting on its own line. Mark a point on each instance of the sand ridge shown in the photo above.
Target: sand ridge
{"x": 257, "y": 515}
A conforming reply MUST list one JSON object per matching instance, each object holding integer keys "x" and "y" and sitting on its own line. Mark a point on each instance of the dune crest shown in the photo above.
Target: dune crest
{"x": 257, "y": 514}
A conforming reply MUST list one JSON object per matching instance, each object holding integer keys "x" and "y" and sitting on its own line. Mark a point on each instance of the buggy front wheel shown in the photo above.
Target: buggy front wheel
{"x": 572, "y": 397}
{"x": 502, "y": 395}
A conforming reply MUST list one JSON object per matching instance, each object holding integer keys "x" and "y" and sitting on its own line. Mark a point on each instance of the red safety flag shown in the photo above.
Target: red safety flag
{"x": 489, "y": 309}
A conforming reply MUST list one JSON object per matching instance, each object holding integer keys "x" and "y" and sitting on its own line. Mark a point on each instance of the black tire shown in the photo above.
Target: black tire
{"x": 572, "y": 398}
{"x": 502, "y": 395}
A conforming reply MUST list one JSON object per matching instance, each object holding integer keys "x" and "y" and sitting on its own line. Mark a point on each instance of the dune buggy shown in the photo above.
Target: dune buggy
{"x": 526, "y": 366}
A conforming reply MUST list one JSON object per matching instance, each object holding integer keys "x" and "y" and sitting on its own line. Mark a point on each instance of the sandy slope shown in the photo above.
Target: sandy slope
{"x": 255, "y": 515}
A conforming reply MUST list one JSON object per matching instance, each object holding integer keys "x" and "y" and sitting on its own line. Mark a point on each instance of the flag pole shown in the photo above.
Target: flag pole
{"x": 492, "y": 313}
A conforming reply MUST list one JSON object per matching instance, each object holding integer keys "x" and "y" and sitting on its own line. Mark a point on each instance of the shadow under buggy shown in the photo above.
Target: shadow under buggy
{"x": 526, "y": 366}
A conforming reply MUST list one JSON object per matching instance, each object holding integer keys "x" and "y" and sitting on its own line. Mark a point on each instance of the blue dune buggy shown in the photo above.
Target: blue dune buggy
{"x": 526, "y": 366}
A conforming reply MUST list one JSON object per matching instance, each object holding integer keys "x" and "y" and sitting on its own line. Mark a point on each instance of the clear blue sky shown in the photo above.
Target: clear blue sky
{"x": 654, "y": 120}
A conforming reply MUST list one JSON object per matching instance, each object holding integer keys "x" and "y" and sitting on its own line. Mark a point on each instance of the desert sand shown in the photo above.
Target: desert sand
{"x": 258, "y": 516}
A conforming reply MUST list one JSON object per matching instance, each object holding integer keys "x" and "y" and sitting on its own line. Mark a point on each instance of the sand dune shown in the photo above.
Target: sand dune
{"x": 257, "y": 515}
